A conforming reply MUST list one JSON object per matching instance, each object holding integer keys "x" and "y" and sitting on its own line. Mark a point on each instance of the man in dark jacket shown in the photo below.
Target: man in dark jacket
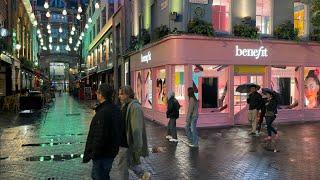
{"x": 173, "y": 114}
{"x": 104, "y": 136}
{"x": 254, "y": 100}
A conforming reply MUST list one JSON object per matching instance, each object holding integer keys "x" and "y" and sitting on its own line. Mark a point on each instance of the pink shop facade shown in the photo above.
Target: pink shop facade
{"x": 214, "y": 67}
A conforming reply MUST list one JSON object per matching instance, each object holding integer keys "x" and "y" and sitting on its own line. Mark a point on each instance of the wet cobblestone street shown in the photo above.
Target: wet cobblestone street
{"x": 49, "y": 145}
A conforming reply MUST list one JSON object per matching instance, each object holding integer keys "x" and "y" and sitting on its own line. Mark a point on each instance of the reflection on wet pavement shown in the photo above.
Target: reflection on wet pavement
{"x": 62, "y": 157}
{"x": 51, "y": 144}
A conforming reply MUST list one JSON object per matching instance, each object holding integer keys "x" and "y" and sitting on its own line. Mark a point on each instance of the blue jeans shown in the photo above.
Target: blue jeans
{"x": 191, "y": 131}
{"x": 270, "y": 129}
{"x": 101, "y": 168}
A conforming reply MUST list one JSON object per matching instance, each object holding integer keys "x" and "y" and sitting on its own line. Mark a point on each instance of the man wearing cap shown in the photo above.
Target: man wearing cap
{"x": 254, "y": 101}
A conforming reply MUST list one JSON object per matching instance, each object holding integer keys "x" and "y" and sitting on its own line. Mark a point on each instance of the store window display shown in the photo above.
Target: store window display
{"x": 284, "y": 80}
{"x": 139, "y": 86}
{"x": 210, "y": 85}
{"x": 147, "y": 97}
{"x": 312, "y": 87}
{"x": 161, "y": 89}
{"x": 179, "y": 86}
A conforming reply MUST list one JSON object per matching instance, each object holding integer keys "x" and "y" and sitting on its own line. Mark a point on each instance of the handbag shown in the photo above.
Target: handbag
{"x": 269, "y": 114}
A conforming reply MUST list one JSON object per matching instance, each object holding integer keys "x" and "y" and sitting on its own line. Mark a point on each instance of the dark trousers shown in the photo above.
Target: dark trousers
{"x": 270, "y": 129}
{"x": 259, "y": 124}
{"x": 172, "y": 128}
{"x": 101, "y": 168}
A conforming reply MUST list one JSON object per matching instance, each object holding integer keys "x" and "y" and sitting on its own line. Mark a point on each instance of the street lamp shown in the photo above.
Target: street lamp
{"x": 64, "y": 12}
{"x": 18, "y": 46}
{"x": 46, "y": 5}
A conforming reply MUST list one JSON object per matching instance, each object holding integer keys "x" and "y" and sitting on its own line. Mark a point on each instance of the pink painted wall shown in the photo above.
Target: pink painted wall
{"x": 189, "y": 50}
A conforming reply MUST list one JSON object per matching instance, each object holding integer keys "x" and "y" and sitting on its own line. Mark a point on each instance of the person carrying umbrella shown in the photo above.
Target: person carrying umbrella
{"x": 254, "y": 101}
{"x": 271, "y": 111}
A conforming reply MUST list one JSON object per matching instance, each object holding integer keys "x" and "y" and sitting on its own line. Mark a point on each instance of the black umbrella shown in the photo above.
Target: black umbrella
{"x": 245, "y": 88}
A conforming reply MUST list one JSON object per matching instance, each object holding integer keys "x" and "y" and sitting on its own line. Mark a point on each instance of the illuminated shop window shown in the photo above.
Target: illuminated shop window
{"x": 179, "y": 86}
{"x": 161, "y": 89}
{"x": 147, "y": 83}
{"x": 138, "y": 86}
{"x": 312, "y": 87}
{"x": 210, "y": 84}
{"x": 284, "y": 80}
{"x": 221, "y": 15}
{"x": 264, "y": 16}
{"x": 300, "y": 14}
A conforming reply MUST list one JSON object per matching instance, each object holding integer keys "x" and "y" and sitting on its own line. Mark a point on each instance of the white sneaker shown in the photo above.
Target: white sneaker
{"x": 168, "y": 137}
{"x": 146, "y": 176}
{"x": 173, "y": 140}
{"x": 194, "y": 146}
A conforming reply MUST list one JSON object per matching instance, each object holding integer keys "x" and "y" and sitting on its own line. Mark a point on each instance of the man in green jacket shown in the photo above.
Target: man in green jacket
{"x": 134, "y": 140}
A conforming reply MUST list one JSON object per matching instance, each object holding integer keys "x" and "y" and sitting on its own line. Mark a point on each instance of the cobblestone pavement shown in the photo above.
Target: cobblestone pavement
{"x": 49, "y": 144}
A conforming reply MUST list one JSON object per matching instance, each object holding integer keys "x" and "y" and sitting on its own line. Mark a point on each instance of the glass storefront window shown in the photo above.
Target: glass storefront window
{"x": 300, "y": 14}
{"x": 264, "y": 16}
{"x": 284, "y": 80}
{"x": 221, "y": 15}
{"x": 312, "y": 87}
{"x": 179, "y": 86}
{"x": 161, "y": 89}
{"x": 147, "y": 82}
{"x": 138, "y": 88}
{"x": 210, "y": 84}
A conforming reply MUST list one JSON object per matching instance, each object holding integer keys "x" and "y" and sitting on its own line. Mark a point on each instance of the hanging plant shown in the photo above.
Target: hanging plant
{"x": 200, "y": 27}
{"x": 286, "y": 31}
{"x": 247, "y": 28}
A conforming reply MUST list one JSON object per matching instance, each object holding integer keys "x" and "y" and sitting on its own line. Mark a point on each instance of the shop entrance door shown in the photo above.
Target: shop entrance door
{"x": 240, "y": 99}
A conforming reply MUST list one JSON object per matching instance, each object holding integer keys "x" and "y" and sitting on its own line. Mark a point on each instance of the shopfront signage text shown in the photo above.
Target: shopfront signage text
{"x": 199, "y": 1}
{"x": 146, "y": 57}
{"x": 256, "y": 53}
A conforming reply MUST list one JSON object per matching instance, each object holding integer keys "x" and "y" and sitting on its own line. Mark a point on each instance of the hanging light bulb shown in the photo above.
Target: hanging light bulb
{"x": 78, "y": 16}
{"x": 44, "y": 48}
{"x": 79, "y": 9}
{"x": 90, "y": 20}
{"x": 46, "y": 5}
{"x": 49, "y": 31}
{"x": 64, "y": 12}
{"x": 73, "y": 28}
{"x": 48, "y": 26}
{"x": 35, "y": 23}
{"x": 60, "y": 40}
{"x": 41, "y": 43}
{"x": 50, "y": 39}
{"x": 80, "y": 37}
{"x": 50, "y": 46}
{"x": 70, "y": 40}
{"x": 58, "y": 48}
{"x": 38, "y": 31}
{"x": 72, "y": 33}
{"x": 86, "y": 26}
{"x": 48, "y": 14}
{"x": 40, "y": 36}
{"x": 82, "y": 34}
{"x": 60, "y": 29}
{"x": 41, "y": 40}
{"x": 75, "y": 49}
{"x": 97, "y": 6}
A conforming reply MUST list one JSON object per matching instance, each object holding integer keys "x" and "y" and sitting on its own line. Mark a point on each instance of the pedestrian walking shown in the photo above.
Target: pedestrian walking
{"x": 173, "y": 107}
{"x": 104, "y": 136}
{"x": 270, "y": 115}
{"x": 134, "y": 141}
{"x": 254, "y": 100}
{"x": 192, "y": 118}
{"x": 262, "y": 113}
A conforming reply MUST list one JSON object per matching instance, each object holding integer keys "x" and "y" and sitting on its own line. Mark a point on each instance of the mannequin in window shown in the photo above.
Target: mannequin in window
{"x": 311, "y": 89}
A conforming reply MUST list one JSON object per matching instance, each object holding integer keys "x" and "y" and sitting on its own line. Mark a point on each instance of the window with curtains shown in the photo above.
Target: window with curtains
{"x": 221, "y": 15}
{"x": 264, "y": 16}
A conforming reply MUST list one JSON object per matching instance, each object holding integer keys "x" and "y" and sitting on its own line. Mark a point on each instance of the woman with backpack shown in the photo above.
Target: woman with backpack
{"x": 271, "y": 111}
{"x": 173, "y": 107}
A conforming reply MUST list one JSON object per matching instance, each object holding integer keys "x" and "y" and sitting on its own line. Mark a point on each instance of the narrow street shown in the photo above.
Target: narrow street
{"x": 49, "y": 145}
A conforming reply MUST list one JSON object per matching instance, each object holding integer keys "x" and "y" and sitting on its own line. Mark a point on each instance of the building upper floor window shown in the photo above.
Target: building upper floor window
{"x": 221, "y": 15}
{"x": 264, "y": 16}
{"x": 300, "y": 16}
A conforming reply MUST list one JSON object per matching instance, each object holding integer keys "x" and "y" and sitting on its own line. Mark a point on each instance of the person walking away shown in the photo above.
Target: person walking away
{"x": 173, "y": 107}
{"x": 104, "y": 138}
{"x": 192, "y": 118}
{"x": 262, "y": 113}
{"x": 134, "y": 142}
{"x": 254, "y": 101}
{"x": 271, "y": 111}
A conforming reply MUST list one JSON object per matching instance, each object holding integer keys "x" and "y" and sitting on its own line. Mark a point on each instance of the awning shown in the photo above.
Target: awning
{"x": 5, "y": 58}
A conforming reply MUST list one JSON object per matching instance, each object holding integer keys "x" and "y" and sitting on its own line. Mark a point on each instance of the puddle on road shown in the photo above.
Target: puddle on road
{"x": 61, "y": 157}
{"x": 73, "y": 114}
{"x": 58, "y": 135}
{"x": 49, "y": 144}
{"x": 3, "y": 158}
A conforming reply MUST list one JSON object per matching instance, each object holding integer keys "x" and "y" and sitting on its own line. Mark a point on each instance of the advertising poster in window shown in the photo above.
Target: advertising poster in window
{"x": 179, "y": 86}
{"x": 161, "y": 87}
{"x": 312, "y": 87}
{"x": 148, "y": 89}
{"x": 139, "y": 86}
